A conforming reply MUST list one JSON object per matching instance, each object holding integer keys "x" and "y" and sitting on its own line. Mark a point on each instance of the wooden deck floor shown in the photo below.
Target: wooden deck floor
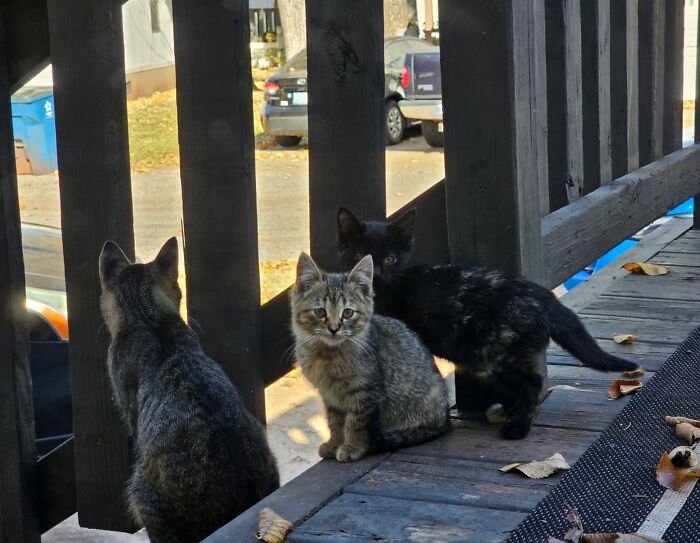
{"x": 450, "y": 490}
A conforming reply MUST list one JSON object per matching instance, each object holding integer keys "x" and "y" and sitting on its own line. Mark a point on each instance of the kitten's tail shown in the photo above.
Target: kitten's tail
{"x": 397, "y": 439}
{"x": 568, "y": 331}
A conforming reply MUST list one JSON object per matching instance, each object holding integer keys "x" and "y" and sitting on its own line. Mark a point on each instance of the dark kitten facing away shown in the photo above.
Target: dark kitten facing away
{"x": 494, "y": 327}
{"x": 379, "y": 383}
{"x": 201, "y": 458}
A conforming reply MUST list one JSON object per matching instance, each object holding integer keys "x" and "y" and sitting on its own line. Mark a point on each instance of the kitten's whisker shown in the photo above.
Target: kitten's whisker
{"x": 196, "y": 327}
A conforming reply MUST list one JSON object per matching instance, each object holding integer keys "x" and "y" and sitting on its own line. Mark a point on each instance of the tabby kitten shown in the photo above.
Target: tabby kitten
{"x": 379, "y": 383}
{"x": 493, "y": 326}
{"x": 201, "y": 458}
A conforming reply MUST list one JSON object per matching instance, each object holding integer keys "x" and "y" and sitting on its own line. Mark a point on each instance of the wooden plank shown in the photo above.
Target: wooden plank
{"x": 215, "y": 120}
{"x": 650, "y": 244}
{"x": 682, "y": 284}
{"x": 632, "y": 52}
{"x": 346, "y": 144}
{"x": 18, "y": 516}
{"x": 556, "y": 103}
{"x": 650, "y": 362}
{"x": 490, "y": 145}
{"x": 605, "y": 327}
{"x": 584, "y": 378}
{"x": 673, "y": 77}
{"x": 27, "y": 34}
{"x": 651, "y": 71}
{"x": 668, "y": 310}
{"x": 357, "y": 517}
{"x": 298, "y": 499}
{"x": 590, "y": 56}
{"x": 648, "y": 348}
{"x": 604, "y": 93}
{"x": 574, "y": 100}
{"x": 577, "y": 235}
{"x": 568, "y": 410}
{"x": 684, "y": 245}
{"x": 93, "y": 157}
{"x": 457, "y": 482}
{"x": 677, "y": 259}
{"x": 539, "y": 45}
{"x": 618, "y": 88}
{"x": 55, "y": 486}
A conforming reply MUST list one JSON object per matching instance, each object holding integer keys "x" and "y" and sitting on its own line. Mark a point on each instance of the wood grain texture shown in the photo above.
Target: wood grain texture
{"x": 604, "y": 92}
{"x": 490, "y": 145}
{"x": 346, "y": 144}
{"x": 651, "y": 79}
{"x": 95, "y": 187}
{"x": 592, "y": 49}
{"x": 574, "y": 100}
{"x": 539, "y": 91}
{"x": 18, "y": 515}
{"x": 673, "y": 76}
{"x": 618, "y": 88}
{"x": 575, "y": 236}
{"x": 27, "y": 30}
{"x": 55, "y": 486}
{"x": 632, "y": 53}
{"x": 215, "y": 120}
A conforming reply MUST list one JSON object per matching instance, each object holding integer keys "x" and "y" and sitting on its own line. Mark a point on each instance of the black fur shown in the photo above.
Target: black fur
{"x": 493, "y": 326}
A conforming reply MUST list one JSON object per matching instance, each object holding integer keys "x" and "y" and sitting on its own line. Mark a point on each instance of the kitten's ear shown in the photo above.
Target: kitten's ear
{"x": 167, "y": 259}
{"x": 308, "y": 273}
{"x": 405, "y": 223}
{"x": 362, "y": 274}
{"x": 348, "y": 224}
{"x": 112, "y": 260}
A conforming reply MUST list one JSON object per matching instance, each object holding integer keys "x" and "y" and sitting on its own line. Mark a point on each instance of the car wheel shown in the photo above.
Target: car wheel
{"x": 432, "y": 135}
{"x": 288, "y": 141}
{"x": 394, "y": 123}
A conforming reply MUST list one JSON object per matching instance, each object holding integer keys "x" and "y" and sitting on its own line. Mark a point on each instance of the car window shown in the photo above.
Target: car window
{"x": 298, "y": 63}
{"x": 394, "y": 54}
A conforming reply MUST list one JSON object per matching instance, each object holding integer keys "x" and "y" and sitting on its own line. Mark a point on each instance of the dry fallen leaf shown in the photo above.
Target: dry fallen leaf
{"x": 624, "y": 339}
{"x": 271, "y": 527}
{"x": 623, "y": 387}
{"x": 634, "y": 373}
{"x": 567, "y": 387}
{"x": 669, "y": 476}
{"x": 576, "y": 534}
{"x": 646, "y": 268}
{"x": 673, "y": 421}
{"x": 687, "y": 431}
{"x": 539, "y": 469}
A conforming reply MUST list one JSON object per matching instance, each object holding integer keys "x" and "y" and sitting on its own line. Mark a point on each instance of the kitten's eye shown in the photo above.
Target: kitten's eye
{"x": 348, "y": 313}
{"x": 389, "y": 260}
{"x": 359, "y": 257}
{"x": 320, "y": 312}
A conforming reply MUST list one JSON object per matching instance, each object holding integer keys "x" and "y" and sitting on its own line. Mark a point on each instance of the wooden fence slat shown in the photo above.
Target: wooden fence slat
{"x": 618, "y": 87}
{"x": 26, "y": 26}
{"x": 18, "y": 518}
{"x": 590, "y": 95}
{"x": 651, "y": 66}
{"x": 604, "y": 81}
{"x": 346, "y": 143}
{"x": 540, "y": 105}
{"x": 215, "y": 119}
{"x": 632, "y": 51}
{"x": 673, "y": 77}
{"x": 55, "y": 486}
{"x": 556, "y": 104}
{"x": 574, "y": 100}
{"x": 93, "y": 157}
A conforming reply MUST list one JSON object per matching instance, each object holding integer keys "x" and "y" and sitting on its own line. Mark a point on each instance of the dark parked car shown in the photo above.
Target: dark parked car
{"x": 422, "y": 84}
{"x": 284, "y": 114}
{"x": 48, "y": 333}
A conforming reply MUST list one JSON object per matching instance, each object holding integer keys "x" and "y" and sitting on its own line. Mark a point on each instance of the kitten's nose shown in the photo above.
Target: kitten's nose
{"x": 333, "y": 328}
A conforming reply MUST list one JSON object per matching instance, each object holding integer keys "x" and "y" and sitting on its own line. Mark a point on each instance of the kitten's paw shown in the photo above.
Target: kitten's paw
{"x": 346, "y": 453}
{"x": 496, "y": 414}
{"x": 327, "y": 450}
{"x": 516, "y": 429}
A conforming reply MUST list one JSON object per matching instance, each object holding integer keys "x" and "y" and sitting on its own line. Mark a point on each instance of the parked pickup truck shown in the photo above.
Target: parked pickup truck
{"x": 423, "y": 94}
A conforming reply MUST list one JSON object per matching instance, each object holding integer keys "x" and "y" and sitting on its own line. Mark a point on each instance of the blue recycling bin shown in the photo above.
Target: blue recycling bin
{"x": 34, "y": 126}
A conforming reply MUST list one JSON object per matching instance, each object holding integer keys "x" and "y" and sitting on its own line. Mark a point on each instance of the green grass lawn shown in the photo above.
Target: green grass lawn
{"x": 153, "y": 130}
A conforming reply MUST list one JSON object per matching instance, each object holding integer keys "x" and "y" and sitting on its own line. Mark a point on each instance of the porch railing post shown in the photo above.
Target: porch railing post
{"x": 346, "y": 111}
{"x": 18, "y": 516}
{"x": 217, "y": 169}
{"x": 87, "y": 52}
{"x": 491, "y": 135}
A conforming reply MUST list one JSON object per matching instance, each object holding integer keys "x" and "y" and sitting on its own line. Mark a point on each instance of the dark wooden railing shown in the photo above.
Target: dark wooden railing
{"x": 563, "y": 136}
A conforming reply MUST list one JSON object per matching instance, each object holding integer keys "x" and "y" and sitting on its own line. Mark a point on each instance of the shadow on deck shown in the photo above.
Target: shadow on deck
{"x": 451, "y": 489}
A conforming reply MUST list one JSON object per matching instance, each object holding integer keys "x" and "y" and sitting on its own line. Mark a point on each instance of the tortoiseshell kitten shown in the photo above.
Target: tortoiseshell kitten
{"x": 493, "y": 326}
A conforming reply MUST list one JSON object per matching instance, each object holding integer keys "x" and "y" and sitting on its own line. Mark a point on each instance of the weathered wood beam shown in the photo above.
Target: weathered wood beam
{"x": 604, "y": 97}
{"x": 27, "y": 25}
{"x": 651, "y": 79}
{"x": 575, "y": 236}
{"x": 632, "y": 72}
{"x": 491, "y": 138}
{"x": 346, "y": 144}
{"x": 18, "y": 516}
{"x": 93, "y": 157}
{"x": 673, "y": 77}
{"x": 217, "y": 168}
{"x": 574, "y": 100}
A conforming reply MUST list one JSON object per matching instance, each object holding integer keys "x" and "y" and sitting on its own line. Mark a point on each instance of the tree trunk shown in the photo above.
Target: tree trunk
{"x": 293, "y": 14}
{"x": 397, "y": 14}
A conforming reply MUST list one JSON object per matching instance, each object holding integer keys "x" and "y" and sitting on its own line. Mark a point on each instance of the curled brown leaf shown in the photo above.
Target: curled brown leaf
{"x": 646, "y": 268}
{"x": 623, "y": 387}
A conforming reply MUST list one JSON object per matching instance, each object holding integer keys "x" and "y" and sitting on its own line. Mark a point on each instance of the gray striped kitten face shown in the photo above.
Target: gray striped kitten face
{"x": 138, "y": 293}
{"x": 331, "y": 307}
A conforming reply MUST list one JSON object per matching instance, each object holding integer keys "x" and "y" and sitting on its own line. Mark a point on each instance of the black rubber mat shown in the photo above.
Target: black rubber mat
{"x": 613, "y": 485}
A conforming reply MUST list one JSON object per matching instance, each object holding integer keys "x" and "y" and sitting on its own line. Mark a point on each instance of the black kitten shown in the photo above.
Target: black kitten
{"x": 493, "y": 326}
